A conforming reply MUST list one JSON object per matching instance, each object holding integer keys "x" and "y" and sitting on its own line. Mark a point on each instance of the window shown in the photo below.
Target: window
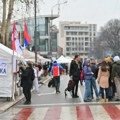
{"x": 43, "y": 43}
{"x": 86, "y": 49}
{"x": 86, "y": 43}
{"x": 68, "y": 43}
{"x": 67, "y": 33}
{"x": 68, "y": 49}
{"x": 68, "y": 38}
{"x": 86, "y": 39}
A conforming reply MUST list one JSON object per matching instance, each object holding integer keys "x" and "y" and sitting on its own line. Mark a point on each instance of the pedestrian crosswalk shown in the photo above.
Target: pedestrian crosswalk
{"x": 80, "y": 112}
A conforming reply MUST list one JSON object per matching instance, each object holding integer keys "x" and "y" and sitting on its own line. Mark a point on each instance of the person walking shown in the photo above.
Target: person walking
{"x": 93, "y": 80}
{"x": 28, "y": 77}
{"x": 115, "y": 76}
{"x": 88, "y": 74}
{"x": 75, "y": 69}
{"x": 55, "y": 70}
{"x": 103, "y": 80}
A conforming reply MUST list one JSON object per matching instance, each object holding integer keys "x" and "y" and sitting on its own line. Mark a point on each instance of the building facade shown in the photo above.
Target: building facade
{"x": 76, "y": 38}
{"x": 44, "y": 40}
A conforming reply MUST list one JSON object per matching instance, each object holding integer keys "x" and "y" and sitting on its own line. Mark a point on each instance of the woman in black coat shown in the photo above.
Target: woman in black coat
{"x": 27, "y": 82}
{"x": 75, "y": 69}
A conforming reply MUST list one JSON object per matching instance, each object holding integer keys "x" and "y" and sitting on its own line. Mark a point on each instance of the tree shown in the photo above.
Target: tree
{"x": 110, "y": 35}
{"x": 7, "y": 12}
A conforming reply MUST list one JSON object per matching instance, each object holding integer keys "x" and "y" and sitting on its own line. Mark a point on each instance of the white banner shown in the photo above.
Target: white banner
{"x": 3, "y": 67}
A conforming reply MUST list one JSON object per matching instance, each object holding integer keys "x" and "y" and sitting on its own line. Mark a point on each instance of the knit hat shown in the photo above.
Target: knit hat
{"x": 108, "y": 59}
{"x": 116, "y": 58}
{"x": 93, "y": 61}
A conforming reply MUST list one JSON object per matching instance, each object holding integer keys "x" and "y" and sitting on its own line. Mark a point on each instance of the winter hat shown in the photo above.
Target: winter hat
{"x": 108, "y": 59}
{"x": 93, "y": 61}
{"x": 116, "y": 58}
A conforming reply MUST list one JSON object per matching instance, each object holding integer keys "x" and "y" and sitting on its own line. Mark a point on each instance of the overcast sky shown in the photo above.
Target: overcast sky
{"x": 90, "y": 11}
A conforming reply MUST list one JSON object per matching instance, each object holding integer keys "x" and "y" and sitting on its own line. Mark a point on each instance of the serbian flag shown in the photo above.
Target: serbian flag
{"x": 27, "y": 38}
{"x": 15, "y": 40}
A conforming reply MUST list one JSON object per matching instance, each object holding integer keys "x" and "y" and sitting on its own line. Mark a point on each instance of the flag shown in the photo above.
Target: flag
{"x": 15, "y": 40}
{"x": 27, "y": 38}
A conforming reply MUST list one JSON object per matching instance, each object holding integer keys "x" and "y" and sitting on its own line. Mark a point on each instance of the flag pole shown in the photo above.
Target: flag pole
{"x": 13, "y": 84}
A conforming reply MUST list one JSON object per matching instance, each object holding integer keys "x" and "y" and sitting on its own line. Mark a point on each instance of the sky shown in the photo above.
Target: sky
{"x": 91, "y": 11}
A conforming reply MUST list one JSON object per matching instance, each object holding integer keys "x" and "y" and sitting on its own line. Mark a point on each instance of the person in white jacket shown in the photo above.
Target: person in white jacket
{"x": 36, "y": 78}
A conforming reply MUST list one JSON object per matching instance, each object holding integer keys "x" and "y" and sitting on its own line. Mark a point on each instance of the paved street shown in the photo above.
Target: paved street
{"x": 47, "y": 105}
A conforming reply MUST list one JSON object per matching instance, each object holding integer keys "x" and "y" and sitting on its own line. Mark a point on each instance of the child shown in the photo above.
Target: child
{"x": 103, "y": 80}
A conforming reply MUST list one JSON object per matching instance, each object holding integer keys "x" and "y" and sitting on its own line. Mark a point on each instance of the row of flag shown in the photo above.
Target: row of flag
{"x": 16, "y": 46}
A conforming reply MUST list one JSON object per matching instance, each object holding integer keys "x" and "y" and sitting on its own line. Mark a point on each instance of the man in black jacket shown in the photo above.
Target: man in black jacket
{"x": 75, "y": 69}
{"x": 28, "y": 77}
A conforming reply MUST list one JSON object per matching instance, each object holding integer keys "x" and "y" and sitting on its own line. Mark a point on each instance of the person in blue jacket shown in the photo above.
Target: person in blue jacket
{"x": 88, "y": 77}
{"x": 55, "y": 70}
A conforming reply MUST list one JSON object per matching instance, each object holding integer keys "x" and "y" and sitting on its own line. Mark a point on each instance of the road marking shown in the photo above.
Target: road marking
{"x": 99, "y": 113}
{"x": 38, "y": 114}
{"x": 113, "y": 111}
{"x": 41, "y": 94}
{"x": 84, "y": 113}
{"x": 67, "y": 104}
{"x": 23, "y": 114}
{"x": 53, "y": 113}
{"x": 68, "y": 113}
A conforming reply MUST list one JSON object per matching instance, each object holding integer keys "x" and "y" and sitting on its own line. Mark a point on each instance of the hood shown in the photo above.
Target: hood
{"x": 86, "y": 62}
{"x": 55, "y": 64}
{"x": 116, "y": 58}
{"x": 117, "y": 62}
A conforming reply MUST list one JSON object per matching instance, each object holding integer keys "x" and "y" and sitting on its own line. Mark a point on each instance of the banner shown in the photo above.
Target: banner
{"x": 3, "y": 67}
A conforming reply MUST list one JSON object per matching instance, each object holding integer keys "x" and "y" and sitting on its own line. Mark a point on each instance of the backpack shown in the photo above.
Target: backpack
{"x": 70, "y": 85}
{"x": 82, "y": 75}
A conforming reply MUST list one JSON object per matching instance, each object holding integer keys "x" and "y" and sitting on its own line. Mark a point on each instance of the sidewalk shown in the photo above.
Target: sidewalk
{"x": 4, "y": 104}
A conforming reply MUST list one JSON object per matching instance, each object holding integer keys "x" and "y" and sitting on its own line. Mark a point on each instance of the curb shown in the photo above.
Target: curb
{"x": 8, "y": 105}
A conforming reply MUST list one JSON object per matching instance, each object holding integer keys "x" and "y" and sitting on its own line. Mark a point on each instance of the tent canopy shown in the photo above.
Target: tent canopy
{"x": 30, "y": 56}
{"x": 9, "y": 51}
{"x": 62, "y": 59}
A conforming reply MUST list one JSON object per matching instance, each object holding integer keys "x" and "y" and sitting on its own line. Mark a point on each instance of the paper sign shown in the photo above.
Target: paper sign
{"x": 3, "y": 67}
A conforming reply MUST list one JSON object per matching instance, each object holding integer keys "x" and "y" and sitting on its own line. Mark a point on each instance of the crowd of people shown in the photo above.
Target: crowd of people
{"x": 101, "y": 77}
{"x": 104, "y": 73}
{"x": 30, "y": 75}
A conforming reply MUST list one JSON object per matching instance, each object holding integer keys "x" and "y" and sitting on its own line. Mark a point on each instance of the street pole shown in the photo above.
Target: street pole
{"x": 35, "y": 34}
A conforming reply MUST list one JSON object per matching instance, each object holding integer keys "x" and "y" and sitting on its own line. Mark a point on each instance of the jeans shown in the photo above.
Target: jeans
{"x": 102, "y": 92}
{"x": 87, "y": 89}
{"x": 93, "y": 84}
{"x": 57, "y": 83}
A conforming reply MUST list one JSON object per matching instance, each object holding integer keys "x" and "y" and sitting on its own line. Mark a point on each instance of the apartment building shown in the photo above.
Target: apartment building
{"x": 76, "y": 38}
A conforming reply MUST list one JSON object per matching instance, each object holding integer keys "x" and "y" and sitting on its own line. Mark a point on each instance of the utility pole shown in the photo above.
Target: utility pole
{"x": 35, "y": 33}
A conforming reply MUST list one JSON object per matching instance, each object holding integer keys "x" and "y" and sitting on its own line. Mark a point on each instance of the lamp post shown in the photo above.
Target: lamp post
{"x": 35, "y": 33}
{"x": 50, "y": 25}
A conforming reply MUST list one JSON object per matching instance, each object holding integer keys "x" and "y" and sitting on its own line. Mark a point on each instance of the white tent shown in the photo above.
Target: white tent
{"x": 30, "y": 56}
{"x": 62, "y": 59}
{"x": 6, "y": 71}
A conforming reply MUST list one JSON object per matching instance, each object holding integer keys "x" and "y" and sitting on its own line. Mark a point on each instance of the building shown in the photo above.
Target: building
{"x": 43, "y": 38}
{"x": 53, "y": 40}
{"x": 76, "y": 38}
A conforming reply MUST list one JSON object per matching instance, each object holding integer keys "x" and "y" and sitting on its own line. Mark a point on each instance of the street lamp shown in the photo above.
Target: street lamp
{"x": 58, "y": 4}
{"x": 50, "y": 25}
